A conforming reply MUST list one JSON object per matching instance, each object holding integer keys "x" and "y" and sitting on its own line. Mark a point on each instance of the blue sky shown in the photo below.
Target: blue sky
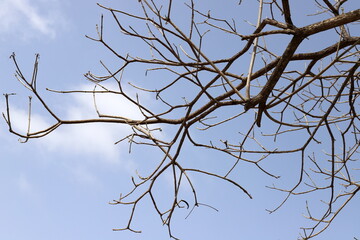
{"x": 59, "y": 187}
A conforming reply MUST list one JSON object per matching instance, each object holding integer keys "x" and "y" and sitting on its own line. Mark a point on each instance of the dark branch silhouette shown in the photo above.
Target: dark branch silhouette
{"x": 309, "y": 98}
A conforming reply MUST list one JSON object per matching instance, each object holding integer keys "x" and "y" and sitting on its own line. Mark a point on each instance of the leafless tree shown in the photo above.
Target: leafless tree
{"x": 267, "y": 100}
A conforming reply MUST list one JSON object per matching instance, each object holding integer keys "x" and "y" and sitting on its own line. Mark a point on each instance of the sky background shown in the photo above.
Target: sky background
{"x": 59, "y": 187}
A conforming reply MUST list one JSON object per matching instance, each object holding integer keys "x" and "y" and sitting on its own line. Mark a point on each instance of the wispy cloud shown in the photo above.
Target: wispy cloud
{"x": 29, "y": 18}
{"x": 85, "y": 141}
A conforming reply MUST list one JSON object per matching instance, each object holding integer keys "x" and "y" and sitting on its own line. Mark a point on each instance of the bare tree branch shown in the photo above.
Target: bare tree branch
{"x": 302, "y": 102}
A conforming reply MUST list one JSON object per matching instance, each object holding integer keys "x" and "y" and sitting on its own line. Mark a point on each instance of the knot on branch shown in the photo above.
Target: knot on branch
{"x": 251, "y": 103}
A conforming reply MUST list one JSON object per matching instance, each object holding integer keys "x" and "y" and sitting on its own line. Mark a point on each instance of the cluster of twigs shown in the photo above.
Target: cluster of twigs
{"x": 276, "y": 99}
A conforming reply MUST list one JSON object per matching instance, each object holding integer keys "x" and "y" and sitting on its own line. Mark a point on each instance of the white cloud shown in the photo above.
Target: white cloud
{"x": 83, "y": 175}
{"x": 85, "y": 141}
{"x": 29, "y": 17}
{"x": 107, "y": 104}
{"x": 19, "y": 120}
{"x": 81, "y": 148}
